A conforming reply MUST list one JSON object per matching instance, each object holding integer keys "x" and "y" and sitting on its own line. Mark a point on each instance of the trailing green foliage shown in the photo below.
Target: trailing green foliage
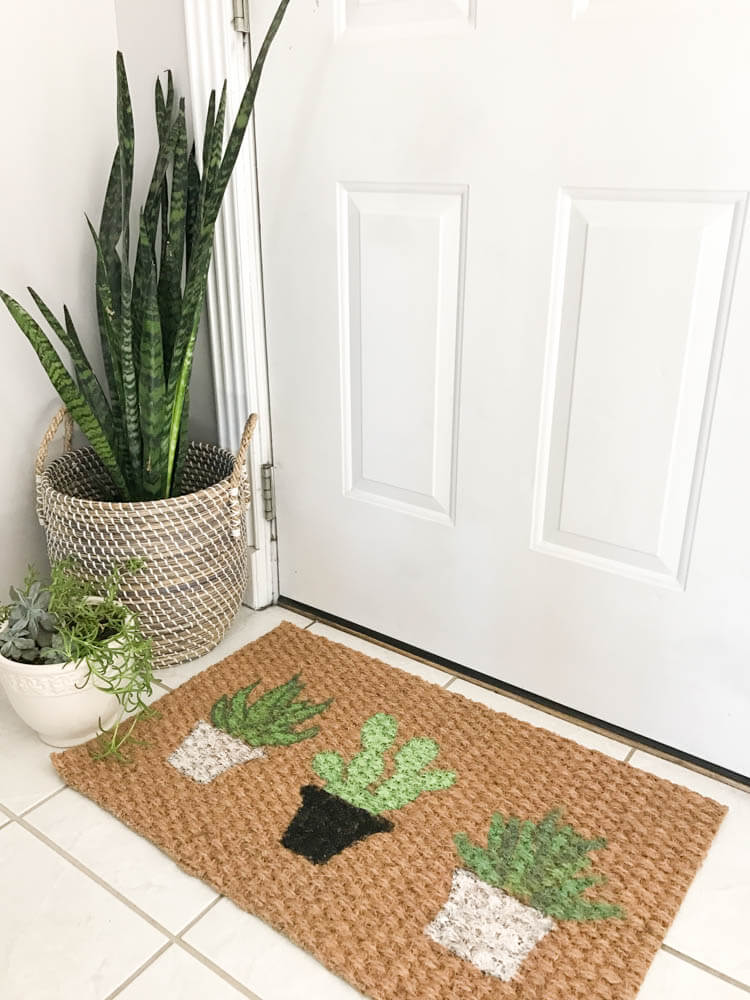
{"x": 79, "y": 617}
{"x": 541, "y": 864}
{"x": 270, "y": 721}
{"x": 148, "y": 309}
{"x": 353, "y": 782}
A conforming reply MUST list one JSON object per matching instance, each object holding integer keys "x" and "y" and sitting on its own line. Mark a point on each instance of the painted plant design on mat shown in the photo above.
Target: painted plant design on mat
{"x": 529, "y": 876}
{"x": 240, "y": 729}
{"x": 350, "y": 806}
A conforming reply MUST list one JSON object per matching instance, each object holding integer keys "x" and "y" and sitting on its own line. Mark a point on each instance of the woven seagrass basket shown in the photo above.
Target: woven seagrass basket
{"x": 193, "y": 546}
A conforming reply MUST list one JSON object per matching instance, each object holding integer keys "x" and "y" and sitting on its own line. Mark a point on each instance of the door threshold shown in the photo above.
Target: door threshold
{"x": 635, "y": 740}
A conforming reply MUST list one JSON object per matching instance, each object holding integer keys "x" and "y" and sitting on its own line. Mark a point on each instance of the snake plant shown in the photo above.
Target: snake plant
{"x": 149, "y": 302}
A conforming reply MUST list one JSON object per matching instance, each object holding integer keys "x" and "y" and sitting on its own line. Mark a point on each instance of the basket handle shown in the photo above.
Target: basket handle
{"x": 239, "y": 493}
{"x": 62, "y": 416}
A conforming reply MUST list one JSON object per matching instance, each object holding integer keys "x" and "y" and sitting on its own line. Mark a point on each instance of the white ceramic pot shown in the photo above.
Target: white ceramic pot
{"x": 58, "y": 700}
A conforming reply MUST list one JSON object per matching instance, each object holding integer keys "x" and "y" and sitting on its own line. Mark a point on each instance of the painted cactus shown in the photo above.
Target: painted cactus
{"x": 529, "y": 876}
{"x": 350, "y": 806}
{"x": 240, "y": 729}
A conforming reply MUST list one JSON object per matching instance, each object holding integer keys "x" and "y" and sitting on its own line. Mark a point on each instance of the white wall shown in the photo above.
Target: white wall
{"x": 57, "y": 101}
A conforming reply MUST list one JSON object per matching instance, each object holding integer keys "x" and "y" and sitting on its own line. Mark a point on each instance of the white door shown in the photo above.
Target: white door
{"x": 508, "y": 319}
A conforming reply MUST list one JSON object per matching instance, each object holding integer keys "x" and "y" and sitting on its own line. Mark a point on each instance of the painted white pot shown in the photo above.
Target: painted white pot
{"x": 206, "y": 752}
{"x": 487, "y": 927}
{"x": 57, "y": 700}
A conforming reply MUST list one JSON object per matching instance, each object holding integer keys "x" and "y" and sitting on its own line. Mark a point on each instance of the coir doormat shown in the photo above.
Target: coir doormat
{"x": 418, "y": 844}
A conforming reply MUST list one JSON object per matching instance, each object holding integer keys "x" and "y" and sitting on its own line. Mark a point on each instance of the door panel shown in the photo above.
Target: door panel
{"x": 508, "y": 311}
{"x": 401, "y": 282}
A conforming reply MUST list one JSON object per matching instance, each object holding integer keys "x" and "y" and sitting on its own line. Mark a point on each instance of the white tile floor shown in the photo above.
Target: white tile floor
{"x": 91, "y": 911}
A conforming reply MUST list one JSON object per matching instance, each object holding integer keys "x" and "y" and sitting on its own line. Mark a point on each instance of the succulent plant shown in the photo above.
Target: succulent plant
{"x": 272, "y": 719}
{"x": 30, "y": 610}
{"x": 409, "y": 780}
{"x": 59, "y": 623}
{"x": 16, "y": 644}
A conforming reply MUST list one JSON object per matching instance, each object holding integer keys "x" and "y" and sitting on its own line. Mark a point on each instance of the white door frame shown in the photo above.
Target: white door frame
{"x": 236, "y": 321}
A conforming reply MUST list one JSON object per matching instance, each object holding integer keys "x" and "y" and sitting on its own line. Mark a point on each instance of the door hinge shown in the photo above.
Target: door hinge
{"x": 269, "y": 495}
{"x": 241, "y": 16}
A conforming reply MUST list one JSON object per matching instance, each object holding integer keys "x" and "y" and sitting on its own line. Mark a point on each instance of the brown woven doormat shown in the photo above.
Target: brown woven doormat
{"x": 418, "y": 844}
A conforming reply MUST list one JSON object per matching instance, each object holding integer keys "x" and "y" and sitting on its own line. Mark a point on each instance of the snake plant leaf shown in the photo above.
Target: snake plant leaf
{"x": 126, "y": 143}
{"x": 182, "y": 355}
{"x": 88, "y": 383}
{"x": 217, "y": 140}
{"x": 67, "y": 389}
{"x": 108, "y": 319}
{"x": 164, "y": 108}
{"x": 173, "y": 243}
{"x": 193, "y": 195}
{"x": 208, "y": 131}
{"x": 242, "y": 119}
{"x": 183, "y": 443}
{"x": 121, "y": 347}
{"x": 128, "y": 374}
{"x": 151, "y": 393}
{"x": 110, "y": 229}
{"x": 130, "y": 377}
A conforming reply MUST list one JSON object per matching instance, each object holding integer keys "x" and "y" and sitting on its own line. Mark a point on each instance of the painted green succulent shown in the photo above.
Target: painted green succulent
{"x": 272, "y": 719}
{"x": 541, "y": 864}
{"x": 357, "y": 782}
{"x": 148, "y": 308}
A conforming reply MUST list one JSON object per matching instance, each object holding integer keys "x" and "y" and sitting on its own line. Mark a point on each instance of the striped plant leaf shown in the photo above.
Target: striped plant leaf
{"x": 182, "y": 447}
{"x": 182, "y": 355}
{"x": 108, "y": 320}
{"x": 110, "y": 229}
{"x": 87, "y": 381}
{"x": 242, "y": 119}
{"x": 128, "y": 373}
{"x": 67, "y": 390}
{"x": 164, "y": 108}
{"x": 173, "y": 244}
{"x": 126, "y": 140}
{"x": 193, "y": 196}
{"x": 151, "y": 393}
{"x": 211, "y": 165}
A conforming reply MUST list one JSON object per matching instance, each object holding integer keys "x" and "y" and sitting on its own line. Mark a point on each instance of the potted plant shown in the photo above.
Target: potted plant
{"x": 512, "y": 892}
{"x": 73, "y": 660}
{"x": 240, "y": 730}
{"x": 350, "y": 806}
{"x": 141, "y": 489}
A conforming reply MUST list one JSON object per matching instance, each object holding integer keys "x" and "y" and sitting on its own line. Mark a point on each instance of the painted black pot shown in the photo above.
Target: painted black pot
{"x": 325, "y": 825}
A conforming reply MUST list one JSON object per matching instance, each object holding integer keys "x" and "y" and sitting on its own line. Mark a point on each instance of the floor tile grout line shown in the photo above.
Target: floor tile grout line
{"x": 172, "y": 938}
{"x": 216, "y": 969}
{"x": 189, "y": 926}
{"x": 43, "y": 801}
{"x": 85, "y": 870}
{"x": 133, "y": 976}
{"x": 716, "y": 973}
{"x": 631, "y": 754}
